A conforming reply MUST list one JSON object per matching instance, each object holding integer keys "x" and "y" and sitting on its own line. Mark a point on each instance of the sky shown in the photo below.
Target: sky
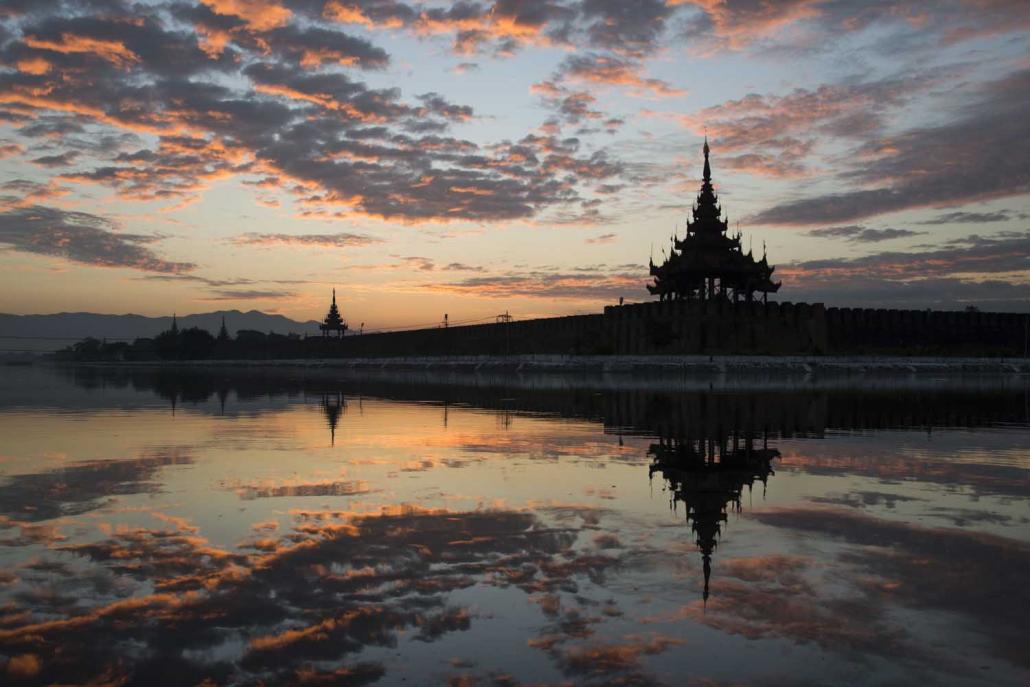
{"x": 474, "y": 158}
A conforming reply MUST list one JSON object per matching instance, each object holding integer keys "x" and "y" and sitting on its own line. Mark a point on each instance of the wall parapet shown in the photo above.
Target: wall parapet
{"x": 715, "y": 328}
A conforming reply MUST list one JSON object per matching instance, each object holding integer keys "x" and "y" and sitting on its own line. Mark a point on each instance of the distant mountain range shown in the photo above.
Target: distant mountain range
{"x": 40, "y": 333}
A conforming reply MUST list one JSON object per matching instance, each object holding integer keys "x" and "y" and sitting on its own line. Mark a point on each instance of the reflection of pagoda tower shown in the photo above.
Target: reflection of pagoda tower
{"x": 332, "y": 406}
{"x": 708, "y": 476}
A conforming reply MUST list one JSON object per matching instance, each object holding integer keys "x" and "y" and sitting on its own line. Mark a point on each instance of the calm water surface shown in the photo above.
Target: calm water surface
{"x": 234, "y": 528}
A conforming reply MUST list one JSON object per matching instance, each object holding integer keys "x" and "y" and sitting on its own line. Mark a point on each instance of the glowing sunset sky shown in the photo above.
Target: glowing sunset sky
{"x": 476, "y": 157}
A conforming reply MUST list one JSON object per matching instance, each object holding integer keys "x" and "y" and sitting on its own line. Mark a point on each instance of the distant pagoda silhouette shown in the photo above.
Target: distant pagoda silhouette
{"x": 333, "y": 322}
{"x": 708, "y": 263}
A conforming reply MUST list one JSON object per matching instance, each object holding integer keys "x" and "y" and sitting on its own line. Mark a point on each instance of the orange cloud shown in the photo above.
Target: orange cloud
{"x": 735, "y": 25}
{"x": 10, "y": 149}
{"x": 211, "y": 40}
{"x": 584, "y": 286}
{"x": 23, "y": 666}
{"x": 31, "y": 192}
{"x": 33, "y": 65}
{"x": 114, "y": 52}
{"x": 323, "y": 100}
{"x": 475, "y": 29}
{"x": 615, "y": 71}
{"x": 346, "y": 13}
{"x": 313, "y": 633}
{"x": 261, "y": 15}
{"x": 44, "y": 98}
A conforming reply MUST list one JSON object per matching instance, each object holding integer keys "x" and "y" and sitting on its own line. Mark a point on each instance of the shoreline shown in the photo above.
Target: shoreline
{"x": 619, "y": 364}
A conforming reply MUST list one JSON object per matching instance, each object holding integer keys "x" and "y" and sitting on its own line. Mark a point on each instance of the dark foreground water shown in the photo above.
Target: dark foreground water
{"x": 242, "y": 528}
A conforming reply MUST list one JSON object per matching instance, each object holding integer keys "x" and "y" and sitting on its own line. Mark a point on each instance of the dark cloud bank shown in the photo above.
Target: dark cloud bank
{"x": 979, "y": 156}
{"x": 275, "y": 94}
{"x": 989, "y": 272}
{"x": 83, "y": 238}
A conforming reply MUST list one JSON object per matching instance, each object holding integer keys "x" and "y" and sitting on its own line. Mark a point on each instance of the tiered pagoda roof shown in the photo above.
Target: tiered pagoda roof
{"x": 708, "y": 262}
{"x": 333, "y": 322}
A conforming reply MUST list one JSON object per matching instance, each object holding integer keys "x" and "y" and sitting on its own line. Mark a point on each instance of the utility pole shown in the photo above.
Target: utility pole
{"x": 505, "y": 318}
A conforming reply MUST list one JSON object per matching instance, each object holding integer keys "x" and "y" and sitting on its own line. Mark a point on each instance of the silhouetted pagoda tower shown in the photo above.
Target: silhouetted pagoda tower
{"x": 708, "y": 475}
{"x": 708, "y": 263}
{"x": 333, "y": 322}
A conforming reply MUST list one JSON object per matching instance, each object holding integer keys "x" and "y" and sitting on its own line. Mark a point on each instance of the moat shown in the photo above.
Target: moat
{"x": 240, "y": 526}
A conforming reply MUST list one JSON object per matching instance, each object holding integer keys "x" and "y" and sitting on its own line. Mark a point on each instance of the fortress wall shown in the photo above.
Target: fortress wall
{"x": 692, "y": 327}
{"x": 858, "y": 330}
{"x": 556, "y": 335}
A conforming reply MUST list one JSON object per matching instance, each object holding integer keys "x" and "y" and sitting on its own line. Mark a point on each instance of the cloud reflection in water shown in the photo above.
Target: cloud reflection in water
{"x": 322, "y": 557}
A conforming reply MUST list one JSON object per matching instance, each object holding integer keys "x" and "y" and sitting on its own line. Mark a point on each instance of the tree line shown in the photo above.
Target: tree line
{"x": 195, "y": 343}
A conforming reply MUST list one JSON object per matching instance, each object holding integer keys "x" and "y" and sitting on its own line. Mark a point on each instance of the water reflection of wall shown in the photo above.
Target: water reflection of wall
{"x": 783, "y": 408}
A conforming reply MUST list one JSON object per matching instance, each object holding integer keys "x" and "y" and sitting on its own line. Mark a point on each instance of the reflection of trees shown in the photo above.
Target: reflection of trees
{"x": 784, "y": 410}
{"x": 707, "y": 475}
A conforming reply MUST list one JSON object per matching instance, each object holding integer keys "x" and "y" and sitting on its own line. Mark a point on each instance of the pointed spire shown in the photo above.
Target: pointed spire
{"x": 707, "y": 567}
{"x": 175, "y": 324}
{"x": 707, "y": 174}
{"x": 334, "y": 295}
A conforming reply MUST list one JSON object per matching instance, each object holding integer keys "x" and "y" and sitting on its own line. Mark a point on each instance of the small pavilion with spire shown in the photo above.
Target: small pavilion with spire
{"x": 333, "y": 322}
{"x": 708, "y": 262}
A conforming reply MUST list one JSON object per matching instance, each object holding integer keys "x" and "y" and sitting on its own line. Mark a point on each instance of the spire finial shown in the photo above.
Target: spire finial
{"x": 708, "y": 575}
{"x": 334, "y": 295}
{"x": 707, "y": 175}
